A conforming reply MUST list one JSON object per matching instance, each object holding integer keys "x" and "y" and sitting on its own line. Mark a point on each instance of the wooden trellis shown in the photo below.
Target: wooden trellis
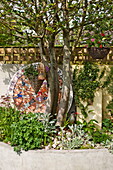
{"x": 32, "y": 54}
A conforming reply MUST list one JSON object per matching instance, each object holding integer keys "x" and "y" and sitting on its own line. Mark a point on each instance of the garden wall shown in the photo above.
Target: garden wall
{"x": 87, "y": 159}
{"x": 99, "y": 106}
{"x": 26, "y": 54}
{"x": 101, "y": 100}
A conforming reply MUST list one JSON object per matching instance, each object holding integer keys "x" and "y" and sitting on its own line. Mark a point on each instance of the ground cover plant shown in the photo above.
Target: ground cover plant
{"x": 30, "y": 133}
{"x": 25, "y": 131}
{"x": 7, "y": 117}
{"x": 37, "y": 131}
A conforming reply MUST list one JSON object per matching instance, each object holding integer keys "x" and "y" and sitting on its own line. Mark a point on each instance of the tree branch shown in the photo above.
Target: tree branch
{"x": 82, "y": 25}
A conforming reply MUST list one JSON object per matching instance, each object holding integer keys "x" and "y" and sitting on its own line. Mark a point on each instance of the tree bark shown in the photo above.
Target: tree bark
{"x": 53, "y": 81}
{"x": 52, "y": 77}
{"x": 63, "y": 105}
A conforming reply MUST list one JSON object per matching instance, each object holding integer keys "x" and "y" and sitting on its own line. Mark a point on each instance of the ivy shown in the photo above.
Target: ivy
{"x": 86, "y": 81}
{"x": 108, "y": 84}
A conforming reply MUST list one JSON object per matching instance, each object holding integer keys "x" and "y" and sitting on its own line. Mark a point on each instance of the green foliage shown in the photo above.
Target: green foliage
{"x": 74, "y": 137}
{"x": 74, "y": 143}
{"x": 109, "y": 145}
{"x": 31, "y": 71}
{"x": 70, "y": 19}
{"x": 25, "y": 131}
{"x": 7, "y": 117}
{"x": 107, "y": 125}
{"x": 99, "y": 137}
{"x": 108, "y": 84}
{"x": 85, "y": 83}
{"x": 30, "y": 132}
{"x": 49, "y": 125}
{"x": 84, "y": 17}
{"x": 6, "y": 36}
{"x": 103, "y": 26}
{"x": 37, "y": 131}
{"x": 88, "y": 127}
{"x": 9, "y": 37}
{"x": 110, "y": 107}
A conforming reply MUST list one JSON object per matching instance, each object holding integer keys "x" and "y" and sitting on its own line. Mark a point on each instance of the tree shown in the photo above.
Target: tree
{"x": 42, "y": 21}
{"x": 5, "y": 36}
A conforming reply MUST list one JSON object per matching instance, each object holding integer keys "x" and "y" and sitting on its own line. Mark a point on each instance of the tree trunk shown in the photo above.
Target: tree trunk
{"x": 63, "y": 106}
{"x": 53, "y": 81}
{"x": 52, "y": 78}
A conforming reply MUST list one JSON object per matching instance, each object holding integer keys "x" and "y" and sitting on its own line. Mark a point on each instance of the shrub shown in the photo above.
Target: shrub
{"x": 85, "y": 81}
{"x": 99, "y": 137}
{"x": 7, "y": 117}
{"x": 107, "y": 125}
{"x": 89, "y": 127}
{"x": 25, "y": 131}
{"x": 29, "y": 133}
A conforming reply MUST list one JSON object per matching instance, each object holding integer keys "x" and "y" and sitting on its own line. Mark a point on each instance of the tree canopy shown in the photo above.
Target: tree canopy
{"x": 37, "y": 18}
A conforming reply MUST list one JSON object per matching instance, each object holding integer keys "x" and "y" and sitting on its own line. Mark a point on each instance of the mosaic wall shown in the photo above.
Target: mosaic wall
{"x": 23, "y": 93}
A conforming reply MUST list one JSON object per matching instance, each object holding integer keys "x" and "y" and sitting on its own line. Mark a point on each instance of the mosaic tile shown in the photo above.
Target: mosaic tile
{"x": 23, "y": 93}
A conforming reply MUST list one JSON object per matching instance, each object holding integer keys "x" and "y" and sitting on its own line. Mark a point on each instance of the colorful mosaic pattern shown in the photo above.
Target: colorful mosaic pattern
{"x": 24, "y": 96}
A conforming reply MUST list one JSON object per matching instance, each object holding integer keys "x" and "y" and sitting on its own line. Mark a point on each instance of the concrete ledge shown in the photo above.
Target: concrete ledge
{"x": 87, "y": 159}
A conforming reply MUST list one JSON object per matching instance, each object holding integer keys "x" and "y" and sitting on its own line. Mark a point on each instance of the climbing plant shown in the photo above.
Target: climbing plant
{"x": 108, "y": 84}
{"x": 86, "y": 81}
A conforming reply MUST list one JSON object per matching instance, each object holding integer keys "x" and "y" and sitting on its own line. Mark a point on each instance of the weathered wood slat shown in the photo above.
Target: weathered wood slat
{"x": 28, "y": 54}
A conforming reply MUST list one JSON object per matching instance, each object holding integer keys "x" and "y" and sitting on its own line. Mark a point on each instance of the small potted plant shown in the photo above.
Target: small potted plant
{"x": 36, "y": 75}
{"x": 31, "y": 72}
{"x": 98, "y": 46}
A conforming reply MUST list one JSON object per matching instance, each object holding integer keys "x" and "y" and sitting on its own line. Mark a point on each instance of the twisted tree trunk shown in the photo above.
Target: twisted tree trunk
{"x": 53, "y": 81}
{"x": 63, "y": 106}
{"x": 52, "y": 77}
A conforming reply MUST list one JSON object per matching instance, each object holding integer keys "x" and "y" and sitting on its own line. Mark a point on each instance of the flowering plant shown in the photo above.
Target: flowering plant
{"x": 96, "y": 40}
